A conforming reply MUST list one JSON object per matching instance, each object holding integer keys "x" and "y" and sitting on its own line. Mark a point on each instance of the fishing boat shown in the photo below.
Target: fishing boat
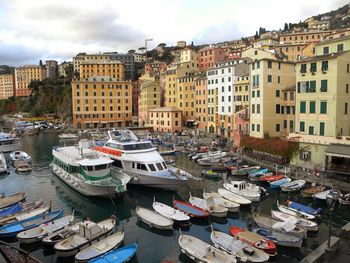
{"x": 278, "y": 183}
{"x": 99, "y": 248}
{"x": 89, "y": 233}
{"x": 254, "y": 239}
{"x": 9, "y": 143}
{"x": 19, "y": 207}
{"x": 11, "y": 199}
{"x": 218, "y": 200}
{"x": 120, "y": 255}
{"x": 3, "y": 164}
{"x": 293, "y": 186}
{"x": 24, "y": 215}
{"x": 281, "y": 239}
{"x": 141, "y": 161}
{"x": 240, "y": 188}
{"x": 309, "y": 192}
{"x": 294, "y": 212}
{"x": 271, "y": 178}
{"x": 38, "y": 233}
{"x": 11, "y": 230}
{"x": 190, "y": 209}
{"x": 68, "y": 136}
{"x": 243, "y": 251}
{"x": 243, "y": 170}
{"x": 303, "y": 208}
{"x": 20, "y": 155}
{"x": 307, "y": 224}
{"x": 153, "y": 219}
{"x": 169, "y": 212}
{"x": 210, "y": 174}
{"x": 233, "y": 197}
{"x": 60, "y": 235}
{"x": 87, "y": 172}
{"x": 209, "y": 205}
{"x": 269, "y": 222}
{"x": 255, "y": 175}
{"x": 199, "y": 251}
{"x": 345, "y": 199}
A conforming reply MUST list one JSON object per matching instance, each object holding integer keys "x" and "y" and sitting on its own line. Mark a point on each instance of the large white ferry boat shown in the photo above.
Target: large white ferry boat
{"x": 9, "y": 143}
{"x": 84, "y": 170}
{"x": 141, "y": 160}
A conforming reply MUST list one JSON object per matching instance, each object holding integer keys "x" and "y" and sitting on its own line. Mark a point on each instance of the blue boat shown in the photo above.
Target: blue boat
{"x": 119, "y": 255}
{"x": 11, "y": 230}
{"x": 278, "y": 183}
{"x": 259, "y": 171}
{"x": 304, "y": 208}
{"x": 10, "y": 210}
{"x": 281, "y": 239}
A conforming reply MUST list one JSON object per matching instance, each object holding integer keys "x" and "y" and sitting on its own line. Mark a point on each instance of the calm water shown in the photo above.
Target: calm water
{"x": 154, "y": 246}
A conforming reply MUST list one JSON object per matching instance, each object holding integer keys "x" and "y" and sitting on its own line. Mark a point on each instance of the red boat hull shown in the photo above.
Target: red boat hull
{"x": 190, "y": 210}
{"x": 271, "y": 178}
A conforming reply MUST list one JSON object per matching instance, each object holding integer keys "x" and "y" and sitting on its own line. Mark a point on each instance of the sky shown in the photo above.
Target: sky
{"x": 31, "y": 30}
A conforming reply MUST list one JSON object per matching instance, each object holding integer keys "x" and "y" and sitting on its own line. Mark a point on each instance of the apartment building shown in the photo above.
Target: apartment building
{"x": 166, "y": 119}
{"x": 114, "y": 69}
{"x": 201, "y": 105}
{"x": 185, "y": 97}
{"x": 24, "y": 75}
{"x": 7, "y": 86}
{"x": 51, "y": 68}
{"x": 209, "y": 56}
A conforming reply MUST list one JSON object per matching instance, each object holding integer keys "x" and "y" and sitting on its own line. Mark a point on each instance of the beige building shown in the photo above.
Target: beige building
{"x": 332, "y": 46}
{"x": 166, "y": 119}
{"x": 186, "y": 98}
{"x": 170, "y": 86}
{"x": 24, "y": 75}
{"x": 189, "y": 55}
{"x": 7, "y": 86}
{"x": 114, "y": 69}
{"x": 181, "y": 43}
{"x": 62, "y": 68}
{"x": 201, "y": 105}
{"x": 101, "y": 102}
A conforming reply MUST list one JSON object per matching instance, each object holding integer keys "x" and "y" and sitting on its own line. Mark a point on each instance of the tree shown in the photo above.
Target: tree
{"x": 256, "y": 36}
{"x": 40, "y": 62}
{"x": 285, "y": 27}
{"x": 131, "y": 51}
{"x": 161, "y": 45}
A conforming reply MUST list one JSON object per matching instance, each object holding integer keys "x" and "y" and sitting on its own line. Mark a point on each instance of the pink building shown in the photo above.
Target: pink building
{"x": 166, "y": 119}
{"x": 209, "y": 56}
{"x": 241, "y": 126}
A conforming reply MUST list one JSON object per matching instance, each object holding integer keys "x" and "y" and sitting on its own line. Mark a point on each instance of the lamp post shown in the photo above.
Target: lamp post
{"x": 146, "y": 41}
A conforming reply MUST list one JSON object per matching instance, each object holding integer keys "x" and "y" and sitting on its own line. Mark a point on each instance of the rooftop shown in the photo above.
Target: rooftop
{"x": 321, "y": 57}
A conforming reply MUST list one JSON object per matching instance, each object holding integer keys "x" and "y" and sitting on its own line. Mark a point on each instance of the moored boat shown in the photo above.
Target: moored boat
{"x": 210, "y": 174}
{"x": 233, "y": 197}
{"x": 119, "y": 255}
{"x": 3, "y": 164}
{"x": 19, "y": 207}
{"x": 68, "y": 136}
{"x": 309, "y": 192}
{"x": 209, "y": 205}
{"x": 278, "y": 183}
{"x": 243, "y": 170}
{"x": 303, "y": 208}
{"x": 240, "y": 188}
{"x": 190, "y": 209}
{"x": 20, "y": 156}
{"x": 254, "y": 239}
{"x": 293, "y": 186}
{"x": 243, "y": 251}
{"x": 24, "y": 215}
{"x": 60, "y": 235}
{"x": 11, "y": 199}
{"x": 169, "y": 212}
{"x": 281, "y": 239}
{"x": 101, "y": 247}
{"x": 200, "y": 251}
{"x": 153, "y": 219}
{"x": 307, "y": 224}
{"x": 345, "y": 199}
{"x": 294, "y": 212}
{"x": 271, "y": 178}
{"x": 218, "y": 199}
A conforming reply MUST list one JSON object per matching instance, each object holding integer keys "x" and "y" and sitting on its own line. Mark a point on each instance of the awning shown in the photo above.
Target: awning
{"x": 191, "y": 120}
{"x": 338, "y": 150}
{"x": 103, "y": 121}
{"x": 87, "y": 121}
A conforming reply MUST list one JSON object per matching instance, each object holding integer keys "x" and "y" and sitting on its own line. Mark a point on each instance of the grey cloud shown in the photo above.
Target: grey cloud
{"x": 18, "y": 55}
{"x": 50, "y": 12}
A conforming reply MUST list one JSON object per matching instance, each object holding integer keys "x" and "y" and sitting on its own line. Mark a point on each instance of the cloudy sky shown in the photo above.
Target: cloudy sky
{"x": 40, "y": 29}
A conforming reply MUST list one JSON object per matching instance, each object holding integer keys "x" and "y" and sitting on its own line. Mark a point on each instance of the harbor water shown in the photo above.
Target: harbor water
{"x": 153, "y": 245}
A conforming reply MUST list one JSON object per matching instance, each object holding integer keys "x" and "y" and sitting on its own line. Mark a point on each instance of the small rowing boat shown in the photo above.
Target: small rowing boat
{"x": 153, "y": 219}
{"x": 119, "y": 255}
{"x": 209, "y": 205}
{"x": 11, "y": 199}
{"x": 190, "y": 209}
{"x": 293, "y": 186}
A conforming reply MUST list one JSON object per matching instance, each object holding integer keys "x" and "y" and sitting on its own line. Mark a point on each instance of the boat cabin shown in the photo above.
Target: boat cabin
{"x": 241, "y": 185}
{"x": 97, "y": 169}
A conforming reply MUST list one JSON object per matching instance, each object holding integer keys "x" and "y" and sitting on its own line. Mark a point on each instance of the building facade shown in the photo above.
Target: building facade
{"x": 165, "y": 119}
{"x": 7, "y": 86}
{"x": 24, "y": 75}
{"x": 51, "y": 68}
{"x": 186, "y": 98}
{"x": 201, "y": 88}
{"x": 209, "y": 56}
{"x": 113, "y": 69}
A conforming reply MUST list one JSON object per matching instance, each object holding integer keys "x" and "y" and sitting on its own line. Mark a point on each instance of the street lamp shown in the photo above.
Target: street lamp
{"x": 146, "y": 41}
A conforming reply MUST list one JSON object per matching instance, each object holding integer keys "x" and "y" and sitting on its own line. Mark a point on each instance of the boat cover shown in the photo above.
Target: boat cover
{"x": 10, "y": 210}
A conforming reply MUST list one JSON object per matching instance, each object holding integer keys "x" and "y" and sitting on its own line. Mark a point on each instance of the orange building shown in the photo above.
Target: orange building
{"x": 24, "y": 75}
{"x": 114, "y": 69}
{"x": 201, "y": 102}
{"x": 209, "y": 56}
{"x": 165, "y": 119}
{"x": 101, "y": 102}
{"x": 186, "y": 98}
{"x": 7, "y": 85}
{"x": 135, "y": 97}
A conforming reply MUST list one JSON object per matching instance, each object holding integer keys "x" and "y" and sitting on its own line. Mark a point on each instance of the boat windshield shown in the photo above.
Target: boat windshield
{"x": 131, "y": 147}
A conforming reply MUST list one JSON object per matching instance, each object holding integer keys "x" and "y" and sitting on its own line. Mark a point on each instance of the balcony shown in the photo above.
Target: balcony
{"x": 244, "y": 116}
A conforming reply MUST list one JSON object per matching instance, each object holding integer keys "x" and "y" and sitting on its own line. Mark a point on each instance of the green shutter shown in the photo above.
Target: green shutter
{"x": 324, "y": 85}
{"x": 302, "y": 107}
{"x": 312, "y": 107}
{"x": 307, "y": 86}
{"x": 313, "y": 86}
{"x": 298, "y": 87}
{"x": 323, "y": 107}
{"x": 302, "y": 126}
{"x": 311, "y": 130}
{"x": 322, "y": 128}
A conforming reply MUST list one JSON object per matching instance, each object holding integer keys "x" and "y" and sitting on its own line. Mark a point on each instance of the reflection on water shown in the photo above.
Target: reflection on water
{"x": 153, "y": 245}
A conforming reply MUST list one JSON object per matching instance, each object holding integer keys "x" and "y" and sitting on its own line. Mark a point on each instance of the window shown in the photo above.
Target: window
{"x": 285, "y": 96}
{"x": 291, "y": 125}
{"x": 324, "y": 85}
{"x": 269, "y": 78}
{"x": 346, "y": 108}
{"x": 325, "y": 50}
{"x": 312, "y": 86}
{"x": 311, "y": 130}
{"x": 312, "y": 107}
{"x": 141, "y": 166}
{"x": 278, "y": 93}
{"x": 285, "y": 124}
{"x": 278, "y": 127}
{"x": 313, "y": 67}
{"x": 258, "y": 93}
{"x": 302, "y": 126}
{"x": 258, "y": 127}
{"x": 253, "y": 94}
{"x": 303, "y": 68}
{"x": 347, "y": 68}
{"x": 253, "y": 108}
{"x": 278, "y": 79}
{"x": 160, "y": 167}
{"x": 269, "y": 64}
{"x": 302, "y": 107}
{"x": 321, "y": 128}
{"x": 258, "y": 108}
{"x": 325, "y": 65}
{"x": 253, "y": 127}
{"x": 152, "y": 167}
{"x": 323, "y": 107}
{"x": 347, "y": 88}
{"x": 278, "y": 108}
{"x": 340, "y": 47}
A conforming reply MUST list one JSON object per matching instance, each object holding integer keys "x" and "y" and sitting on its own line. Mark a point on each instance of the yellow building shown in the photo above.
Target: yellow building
{"x": 189, "y": 55}
{"x": 170, "y": 77}
{"x": 269, "y": 77}
{"x": 288, "y": 110}
{"x": 24, "y": 75}
{"x": 332, "y": 46}
{"x": 303, "y": 37}
{"x": 114, "y": 69}
{"x": 150, "y": 97}
{"x": 186, "y": 98}
{"x": 201, "y": 105}
{"x": 100, "y": 102}
{"x": 241, "y": 92}
{"x": 7, "y": 85}
{"x": 166, "y": 119}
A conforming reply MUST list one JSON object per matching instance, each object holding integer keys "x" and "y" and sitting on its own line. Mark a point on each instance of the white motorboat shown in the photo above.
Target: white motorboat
{"x": 68, "y": 136}
{"x": 213, "y": 155}
{"x": 200, "y": 251}
{"x": 293, "y": 186}
{"x": 9, "y": 143}
{"x": 89, "y": 233}
{"x": 239, "y": 188}
{"x": 269, "y": 222}
{"x": 3, "y": 165}
{"x": 62, "y": 234}
{"x": 233, "y": 197}
{"x": 307, "y": 224}
{"x": 209, "y": 205}
{"x": 294, "y": 212}
{"x": 38, "y": 233}
{"x": 219, "y": 200}
{"x": 243, "y": 251}
{"x": 20, "y": 155}
{"x": 141, "y": 161}
{"x": 209, "y": 161}
{"x": 153, "y": 219}
{"x": 101, "y": 247}
{"x": 87, "y": 172}
{"x": 170, "y": 212}
{"x": 24, "y": 215}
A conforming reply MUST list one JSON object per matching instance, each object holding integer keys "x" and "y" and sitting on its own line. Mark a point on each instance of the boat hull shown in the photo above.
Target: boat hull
{"x": 105, "y": 191}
